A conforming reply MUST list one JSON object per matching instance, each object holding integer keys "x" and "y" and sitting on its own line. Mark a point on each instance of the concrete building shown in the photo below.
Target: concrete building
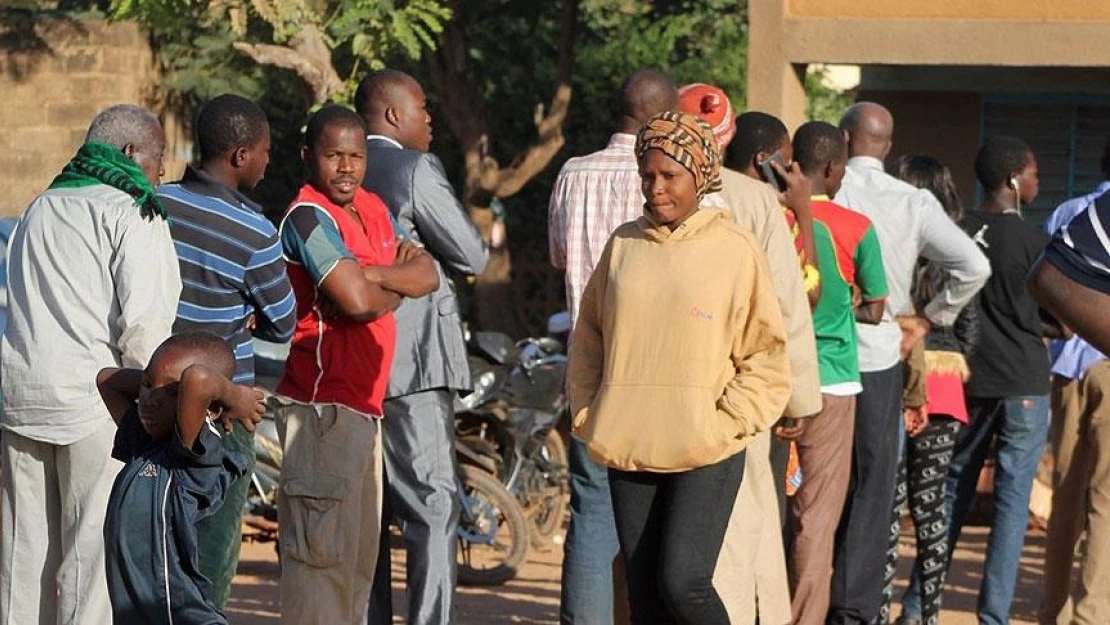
{"x": 56, "y": 74}
{"x": 953, "y": 72}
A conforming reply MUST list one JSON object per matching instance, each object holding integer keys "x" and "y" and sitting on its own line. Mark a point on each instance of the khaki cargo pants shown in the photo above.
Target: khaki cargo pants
{"x": 329, "y": 509}
{"x": 1080, "y": 439}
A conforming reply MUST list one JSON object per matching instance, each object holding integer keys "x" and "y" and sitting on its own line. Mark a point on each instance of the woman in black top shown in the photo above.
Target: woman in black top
{"x": 1007, "y": 393}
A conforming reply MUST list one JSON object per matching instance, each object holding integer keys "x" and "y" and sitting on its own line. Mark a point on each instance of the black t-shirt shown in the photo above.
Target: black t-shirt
{"x": 1011, "y": 358}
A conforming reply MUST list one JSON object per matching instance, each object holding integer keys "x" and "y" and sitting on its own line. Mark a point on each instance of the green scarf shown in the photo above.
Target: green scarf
{"x": 101, "y": 163}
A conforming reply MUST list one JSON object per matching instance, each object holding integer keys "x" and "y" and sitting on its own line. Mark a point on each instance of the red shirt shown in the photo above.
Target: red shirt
{"x": 340, "y": 361}
{"x": 796, "y": 232}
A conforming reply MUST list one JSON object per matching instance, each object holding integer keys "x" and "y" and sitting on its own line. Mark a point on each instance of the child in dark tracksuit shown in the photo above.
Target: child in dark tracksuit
{"x": 176, "y": 472}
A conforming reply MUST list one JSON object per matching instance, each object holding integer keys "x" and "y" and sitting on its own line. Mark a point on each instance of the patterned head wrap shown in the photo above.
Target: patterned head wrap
{"x": 689, "y": 141}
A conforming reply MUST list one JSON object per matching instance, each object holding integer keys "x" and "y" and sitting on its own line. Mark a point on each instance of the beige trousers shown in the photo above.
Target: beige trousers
{"x": 751, "y": 570}
{"x": 1080, "y": 439}
{"x": 55, "y": 497}
{"x": 330, "y": 510}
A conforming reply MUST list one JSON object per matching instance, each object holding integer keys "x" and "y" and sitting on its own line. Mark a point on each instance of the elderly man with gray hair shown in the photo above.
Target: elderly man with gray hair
{"x": 92, "y": 282}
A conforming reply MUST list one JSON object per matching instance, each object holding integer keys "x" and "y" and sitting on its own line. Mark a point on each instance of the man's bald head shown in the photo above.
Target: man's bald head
{"x": 644, "y": 95}
{"x": 870, "y": 129}
{"x": 393, "y": 104}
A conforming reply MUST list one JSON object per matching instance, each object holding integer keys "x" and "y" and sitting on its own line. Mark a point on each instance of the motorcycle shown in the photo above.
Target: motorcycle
{"x": 511, "y": 417}
{"x": 492, "y": 530}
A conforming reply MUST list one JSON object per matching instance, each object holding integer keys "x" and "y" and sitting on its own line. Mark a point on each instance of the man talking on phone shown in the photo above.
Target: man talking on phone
{"x": 759, "y": 178}
{"x": 762, "y": 152}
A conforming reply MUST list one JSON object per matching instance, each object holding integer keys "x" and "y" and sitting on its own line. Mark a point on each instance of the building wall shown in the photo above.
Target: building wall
{"x": 942, "y": 125}
{"x": 56, "y": 74}
{"x": 1053, "y": 10}
{"x": 1062, "y": 112}
{"x": 983, "y": 33}
{"x": 1094, "y": 81}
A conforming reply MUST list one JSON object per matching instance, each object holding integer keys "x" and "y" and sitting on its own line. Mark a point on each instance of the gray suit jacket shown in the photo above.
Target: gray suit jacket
{"x": 430, "y": 351}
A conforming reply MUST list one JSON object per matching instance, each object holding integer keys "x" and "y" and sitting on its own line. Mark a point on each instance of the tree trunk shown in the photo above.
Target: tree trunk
{"x": 464, "y": 110}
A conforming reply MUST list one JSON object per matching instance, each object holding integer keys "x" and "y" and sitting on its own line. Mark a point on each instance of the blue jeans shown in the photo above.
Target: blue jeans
{"x": 591, "y": 546}
{"x": 1021, "y": 424}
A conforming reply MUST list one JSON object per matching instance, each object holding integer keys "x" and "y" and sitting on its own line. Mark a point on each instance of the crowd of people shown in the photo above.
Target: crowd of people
{"x": 132, "y": 308}
{"x": 906, "y": 344}
{"x": 740, "y": 295}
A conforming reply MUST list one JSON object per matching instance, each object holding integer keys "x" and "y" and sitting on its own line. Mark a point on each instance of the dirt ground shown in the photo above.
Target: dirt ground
{"x": 533, "y": 597}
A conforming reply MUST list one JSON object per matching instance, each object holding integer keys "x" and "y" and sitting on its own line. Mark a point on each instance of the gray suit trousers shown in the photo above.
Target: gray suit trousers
{"x": 421, "y": 483}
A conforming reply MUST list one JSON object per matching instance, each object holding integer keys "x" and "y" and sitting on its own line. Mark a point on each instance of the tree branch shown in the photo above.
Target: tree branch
{"x": 465, "y": 110}
{"x": 307, "y": 55}
{"x": 549, "y": 128}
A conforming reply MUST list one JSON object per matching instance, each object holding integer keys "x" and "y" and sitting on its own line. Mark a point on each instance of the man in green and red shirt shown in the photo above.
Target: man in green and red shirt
{"x": 850, "y": 262}
{"x": 348, "y": 275}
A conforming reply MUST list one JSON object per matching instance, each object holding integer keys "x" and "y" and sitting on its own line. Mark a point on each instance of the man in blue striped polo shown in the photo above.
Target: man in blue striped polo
{"x": 234, "y": 282}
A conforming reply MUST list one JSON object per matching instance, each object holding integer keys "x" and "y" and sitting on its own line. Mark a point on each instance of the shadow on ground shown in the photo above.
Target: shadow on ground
{"x": 961, "y": 594}
{"x": 533, "y": 597}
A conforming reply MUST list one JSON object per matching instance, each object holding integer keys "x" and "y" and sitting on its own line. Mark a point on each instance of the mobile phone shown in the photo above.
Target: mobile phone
{"x": 768, "y": 173}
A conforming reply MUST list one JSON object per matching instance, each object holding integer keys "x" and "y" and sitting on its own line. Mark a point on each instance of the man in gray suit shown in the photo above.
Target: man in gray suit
{"x": 430, "y": 362}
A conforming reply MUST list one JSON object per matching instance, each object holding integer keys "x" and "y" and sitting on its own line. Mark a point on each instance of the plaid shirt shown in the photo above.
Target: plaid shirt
{"x": 593, "y": 195}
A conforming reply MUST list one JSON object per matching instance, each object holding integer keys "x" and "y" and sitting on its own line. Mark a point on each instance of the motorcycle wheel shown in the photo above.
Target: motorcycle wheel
{"x": 548, "y": 517}
{"x": 492, "y": 531}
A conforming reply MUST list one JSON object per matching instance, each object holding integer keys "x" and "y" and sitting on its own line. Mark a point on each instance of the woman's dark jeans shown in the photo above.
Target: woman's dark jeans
{"x": 671, "y": 527}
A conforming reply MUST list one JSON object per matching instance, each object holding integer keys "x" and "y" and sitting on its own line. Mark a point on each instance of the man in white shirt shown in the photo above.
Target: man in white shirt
{"x": 910, "y": 222}
{"x": 92, "y": 283}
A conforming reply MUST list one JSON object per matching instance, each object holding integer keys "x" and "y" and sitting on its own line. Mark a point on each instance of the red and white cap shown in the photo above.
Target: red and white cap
{"x": 712, "y": 105}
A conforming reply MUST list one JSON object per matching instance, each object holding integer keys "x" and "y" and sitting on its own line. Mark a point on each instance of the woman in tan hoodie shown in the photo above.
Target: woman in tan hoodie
{"x": 678, "y": 359}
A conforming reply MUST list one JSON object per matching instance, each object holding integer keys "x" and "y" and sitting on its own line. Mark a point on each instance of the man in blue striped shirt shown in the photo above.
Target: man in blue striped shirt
{"x": 1072, "y": 279}
{"x": 1080, "y": 439}
{"x": 234, "y": 282}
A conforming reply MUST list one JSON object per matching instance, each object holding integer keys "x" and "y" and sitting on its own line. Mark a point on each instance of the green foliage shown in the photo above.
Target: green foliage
{"x": 29, "y": 4}
{"x": 378, "y": 29}
{"x": 823, "y": 103}
{"x": 361, "y": 34}
{"x": 202, "y": 68}
{"x": 512, "y": 46}
{"x": 287, "y": 116}
{"x": 695, "y": 41}
{"x": 194, "y": 38}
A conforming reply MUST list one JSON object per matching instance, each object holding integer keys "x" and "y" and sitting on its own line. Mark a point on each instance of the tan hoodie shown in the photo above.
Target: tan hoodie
{"x": 678, "y": 356}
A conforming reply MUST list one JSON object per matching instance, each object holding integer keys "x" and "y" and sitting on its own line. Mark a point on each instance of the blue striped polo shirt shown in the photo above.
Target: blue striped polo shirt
{"x": 231, "y": 267}
{"x": 1081, "y": 248}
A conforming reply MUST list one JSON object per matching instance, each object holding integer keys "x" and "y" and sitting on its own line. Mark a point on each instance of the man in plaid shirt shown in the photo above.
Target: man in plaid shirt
{"x": 593, "y": 195}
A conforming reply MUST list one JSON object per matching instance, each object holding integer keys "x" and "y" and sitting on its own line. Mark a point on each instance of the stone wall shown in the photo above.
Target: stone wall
{"x": 56, "y": 73}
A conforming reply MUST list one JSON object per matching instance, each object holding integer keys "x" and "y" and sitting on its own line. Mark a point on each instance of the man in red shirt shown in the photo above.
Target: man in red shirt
{"x": 348, "y": 275}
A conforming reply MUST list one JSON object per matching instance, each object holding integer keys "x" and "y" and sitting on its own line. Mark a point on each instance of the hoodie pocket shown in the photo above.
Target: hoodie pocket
{"x": 660, "y": 428}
